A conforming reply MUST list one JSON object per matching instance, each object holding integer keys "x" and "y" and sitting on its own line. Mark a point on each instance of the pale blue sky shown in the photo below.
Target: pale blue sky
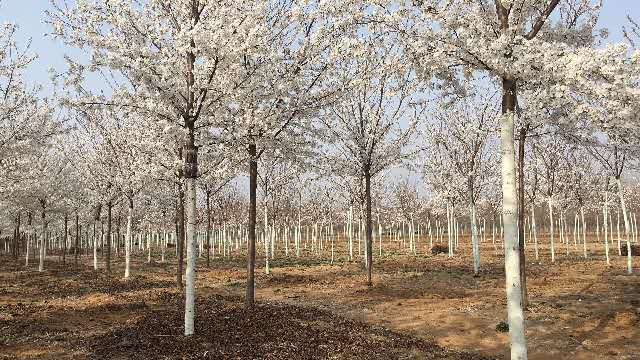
{"x": 28, "y": 15}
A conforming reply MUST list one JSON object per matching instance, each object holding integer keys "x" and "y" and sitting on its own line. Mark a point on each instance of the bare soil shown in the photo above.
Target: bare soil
{"x": 421, "y": 306}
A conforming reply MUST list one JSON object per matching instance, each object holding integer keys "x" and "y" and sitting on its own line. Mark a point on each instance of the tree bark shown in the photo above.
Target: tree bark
{"x": 190, "y": 291}
{"x": 95, "y": 247}
{"x": 251, "y": 251}
{"x": 190, "y": 173}
{"x": 509, "y": 205}
{"x": 208, "y": 236}
{"x": 96, "y": 217}
{"x": 16, "y": 239}
{"x": 623, "y": 206}
{"x": 605, "y": 212}
{"x": 108, "y": 237}
{"x": 76, "y": 247}
{"x": 521, "y": 214}
{"x": 180, "y": 240}
{"x": 64, "y": 239}
{"x": 369, "y": 229}
{"x": 117, "y": 237}
{"x": 127, "y": 240}
{"x": 43, "y": 241}
{"x": 551, "y": 231}
{"x": 474, "y": 229}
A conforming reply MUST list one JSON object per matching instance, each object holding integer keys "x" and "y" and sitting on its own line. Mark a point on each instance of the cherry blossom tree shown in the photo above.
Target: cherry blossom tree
{"x": 181, "y": 58}
{"x": 460, "y": 136}
{"x": 364, "y": 128}
{"x": 515, "y": 42}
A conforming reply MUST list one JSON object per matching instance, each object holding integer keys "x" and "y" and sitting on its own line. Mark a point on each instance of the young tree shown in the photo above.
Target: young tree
{"x": 460, "y": 135}
{"x": 282, "y": 87}
{"x": 219, "y": 172}
{"x": 613, "y": 154}
{"x": 181, "y": 57}
{"x": 364, "y": 128}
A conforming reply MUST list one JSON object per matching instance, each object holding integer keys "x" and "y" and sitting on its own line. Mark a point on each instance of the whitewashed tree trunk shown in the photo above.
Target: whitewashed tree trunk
{"x": 565, "y": 230}
{"x": 611, "y": 237}
{"x": 584, "y": 233}
{"x": 412, "y": 241}
{"x": 575, "y": 231}
{"x": 333, "y": 236}
{"x": 597, "y": 228}
{"x": 43, "y": 245}
{"x": 163, "y": 245}
{"x": 379, "y": 235}
{"x": 493, "y": 236}
{"x": 502, "y": 231}
{"x": 299, "y": 234}
{"x": 618, "y": 228}
{"x": 265, "y": 239}
{"x": 635, "y": 228}
{"x": 474, "y": 239}
{"x": 190, "y": 288}
{"x": 449, "y": 231}
{"x": 26, "y": 258}
{"x": 457, "y": 227}
{"x": 605, "y": 212}
{"x": 286, "y": 240}
{"x": 430, "y": 234}
{"x": 484, "y": 230}
{"x": 359, "y": 233}
{"x": 149, "y": 240}
{"x": 127, "y": 242}
{"x": 553, "y": 251}
{"x": 95, "y": 247}
{"x": 350, "y": 226}
{"x": 272, "y": 240}
{"x": 626, "y": 225}
{"x": 512, "y": 248}
{"x": 535, "y": 233}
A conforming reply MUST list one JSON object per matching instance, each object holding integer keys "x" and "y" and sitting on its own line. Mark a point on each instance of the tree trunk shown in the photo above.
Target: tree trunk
{"x": 208, "y": 237}
{"x": 96, "y": 217}
{"x": 76, "y": 247}
{"x": 117, "y": 237}
{"x": 521, "y": 215}
{"x": 551, "y": 230}
{"x": 510, "y": 209}
{"x": 449, "y": 230}
{"x": 95, "y": 247}
{"x": 626, "y": 224}
{"x": 30, "y": 237}
{"x": 108, "y": 237}
{"x": 266, "y": 236}
{"x": 251, "y": 251}
{"x": 535, "y": 233}
{"x": 180, "y": 235}
{"x": 127, "y": 240}
{"x": 16, "y": 239}
{"x": 190, "y": 291}
{"x": 605, "y": 212}
{"x": 584, "y": 232}
{"x": 474, "y": 235}
{"x": 64, "y": 239}
{"x": 43, "y": 240}
{"x": 369, "y": 229}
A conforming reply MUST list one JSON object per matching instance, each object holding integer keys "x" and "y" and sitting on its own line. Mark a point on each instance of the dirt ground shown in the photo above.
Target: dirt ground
{"x": 421, "y": 307}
